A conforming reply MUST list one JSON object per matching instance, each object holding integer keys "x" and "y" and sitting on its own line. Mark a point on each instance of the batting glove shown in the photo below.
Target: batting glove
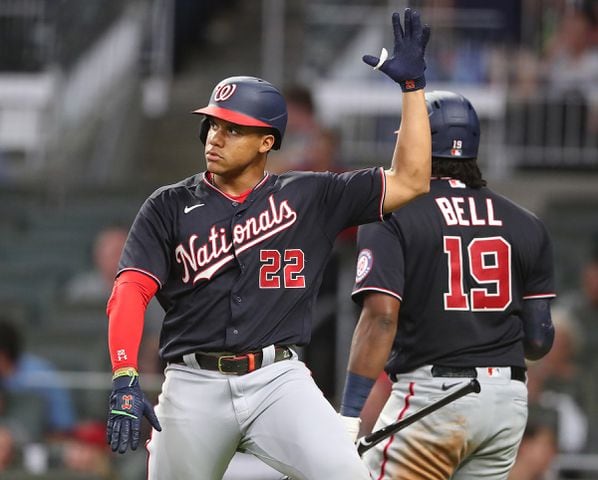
{"x": 352, "y": 425}
{"x": 407, "y": 65}
{"x": 127, "y": 406}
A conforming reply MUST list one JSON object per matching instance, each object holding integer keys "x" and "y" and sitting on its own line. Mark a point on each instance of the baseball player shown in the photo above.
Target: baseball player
{"x": 455, "y": 285}
{"x": 235, "y": 256}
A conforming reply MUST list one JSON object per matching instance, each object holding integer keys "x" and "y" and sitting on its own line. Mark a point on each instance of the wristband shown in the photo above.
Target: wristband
{"x": 357, "y": 389}
{"x": 125, "y": 371}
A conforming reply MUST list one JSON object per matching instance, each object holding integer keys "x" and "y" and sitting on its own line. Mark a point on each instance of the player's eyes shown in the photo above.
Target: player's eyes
{"x": 229, "y": 129}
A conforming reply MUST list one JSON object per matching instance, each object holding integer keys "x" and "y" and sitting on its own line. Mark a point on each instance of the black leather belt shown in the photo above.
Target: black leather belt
{"x": 517, "y": 373}
{"x": 235, "y": 363}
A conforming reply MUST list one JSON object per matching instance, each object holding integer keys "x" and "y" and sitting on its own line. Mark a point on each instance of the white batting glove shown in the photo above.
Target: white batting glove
{"x": 352, "y": 425}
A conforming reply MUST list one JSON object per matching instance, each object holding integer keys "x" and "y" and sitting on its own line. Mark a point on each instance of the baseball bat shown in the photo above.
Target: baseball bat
{"x": 368, "y": 441}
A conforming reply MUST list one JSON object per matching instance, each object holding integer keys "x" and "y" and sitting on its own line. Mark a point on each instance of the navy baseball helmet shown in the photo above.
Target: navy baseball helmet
{"x": 247, "y": 101}
{"x": 454, "y": 124}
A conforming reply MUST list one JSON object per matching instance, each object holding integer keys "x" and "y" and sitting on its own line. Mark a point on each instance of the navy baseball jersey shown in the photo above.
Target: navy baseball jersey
{"x": 461, "y": 261}
{"x": 236, "y": 277}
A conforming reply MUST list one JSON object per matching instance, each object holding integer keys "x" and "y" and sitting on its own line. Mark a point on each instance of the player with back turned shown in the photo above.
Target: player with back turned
{"x": 456, "y": 285}
{"x": 235, "y": 256}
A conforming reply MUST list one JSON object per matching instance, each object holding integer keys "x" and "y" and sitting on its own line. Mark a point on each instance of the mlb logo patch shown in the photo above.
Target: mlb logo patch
{"x": 454, "y": 183}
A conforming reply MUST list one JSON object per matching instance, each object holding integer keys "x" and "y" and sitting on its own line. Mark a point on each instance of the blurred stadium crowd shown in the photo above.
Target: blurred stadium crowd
{"x": 94, "y": 104}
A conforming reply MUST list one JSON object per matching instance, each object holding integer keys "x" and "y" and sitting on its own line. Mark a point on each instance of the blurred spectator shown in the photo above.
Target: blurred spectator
{"x": 480, "y": 39}
{"x": 553, "y": 380}
{"x": 308, "y": 145}
{"x": 572, "y": 53}
{"x": 537, "y": 452}
{"x": 27, "y": 375}
{"x": 194, "y": 27}
{"x": 22, "y": 427}
{"x": 87, "y": 451}
{"x": 38, "y": 430}
{"x": 583, "y": 302}
{"x": 7, "y": 448}
{"x": 324, "y": 152}
{"x": 93, "y": 287}
{"x": 7, "y": 440}
{"x": 554, "y": 96}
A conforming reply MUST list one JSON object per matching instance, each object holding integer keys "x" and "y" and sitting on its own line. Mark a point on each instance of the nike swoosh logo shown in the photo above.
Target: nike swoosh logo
{"x": 449, "y": 386}
{"x": 188, "y": 209}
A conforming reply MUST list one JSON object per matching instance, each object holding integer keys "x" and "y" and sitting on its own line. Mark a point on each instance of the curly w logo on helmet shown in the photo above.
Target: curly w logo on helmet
{"x": 224, "y": 92}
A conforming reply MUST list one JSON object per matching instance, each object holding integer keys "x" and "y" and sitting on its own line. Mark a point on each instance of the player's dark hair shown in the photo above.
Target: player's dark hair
{"x": 11, "y": 342}
{"x": 465, "y": 170}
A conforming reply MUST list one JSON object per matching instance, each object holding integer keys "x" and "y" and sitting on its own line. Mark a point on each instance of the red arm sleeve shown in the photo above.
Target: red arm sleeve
{"x": 131, "y": 293}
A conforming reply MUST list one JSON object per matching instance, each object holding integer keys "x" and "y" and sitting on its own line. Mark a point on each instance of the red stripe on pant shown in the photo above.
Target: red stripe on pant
{"x": 391, "y": 438}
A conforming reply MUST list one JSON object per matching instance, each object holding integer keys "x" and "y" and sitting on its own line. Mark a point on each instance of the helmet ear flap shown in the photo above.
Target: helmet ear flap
{"x": 277, "y": 140}
{"x": 203, "y": 130}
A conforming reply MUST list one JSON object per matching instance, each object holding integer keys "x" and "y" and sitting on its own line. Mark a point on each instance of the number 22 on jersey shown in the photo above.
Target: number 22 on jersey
{"x": 282, "y": 268}
{"x": 489, "y": 261}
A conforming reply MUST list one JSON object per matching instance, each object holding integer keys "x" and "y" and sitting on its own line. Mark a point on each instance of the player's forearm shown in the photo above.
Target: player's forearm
{"x": 409, "y": 175}
{"x": 371, "y": 346}
{"x": 126, "y": 309}
{"x": 372, "y": 343}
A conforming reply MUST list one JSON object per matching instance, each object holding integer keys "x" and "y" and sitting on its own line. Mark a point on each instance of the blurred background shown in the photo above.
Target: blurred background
{"x": 95, "y": 97}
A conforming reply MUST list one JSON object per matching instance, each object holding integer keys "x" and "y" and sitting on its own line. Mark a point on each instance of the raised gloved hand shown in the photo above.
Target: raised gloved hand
{"x": 127, "y": 406}
{"x": 352, "y": 425}
{"x": 407, "y": 65}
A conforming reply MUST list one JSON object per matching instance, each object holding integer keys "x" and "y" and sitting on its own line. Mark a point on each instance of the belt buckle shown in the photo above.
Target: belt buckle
{"x": 226, "y": 357}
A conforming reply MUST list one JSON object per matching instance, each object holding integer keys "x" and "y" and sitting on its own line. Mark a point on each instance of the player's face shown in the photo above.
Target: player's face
{"x": 231, "y": 148}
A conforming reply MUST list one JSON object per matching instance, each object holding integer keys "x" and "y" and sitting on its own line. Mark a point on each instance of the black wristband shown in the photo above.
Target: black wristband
{"x": 357, "y": 389}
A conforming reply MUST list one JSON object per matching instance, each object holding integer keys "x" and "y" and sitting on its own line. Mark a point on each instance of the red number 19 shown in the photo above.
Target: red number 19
{"x": 489, "y": 263}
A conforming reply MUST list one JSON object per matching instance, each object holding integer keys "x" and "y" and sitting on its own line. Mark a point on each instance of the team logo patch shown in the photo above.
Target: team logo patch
{"x": 365, "y": 261}
{"x": 224, "y": 92}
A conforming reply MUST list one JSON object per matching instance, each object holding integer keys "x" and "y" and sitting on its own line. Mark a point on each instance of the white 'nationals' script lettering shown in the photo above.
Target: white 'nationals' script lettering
{"x": 203, "y": 261}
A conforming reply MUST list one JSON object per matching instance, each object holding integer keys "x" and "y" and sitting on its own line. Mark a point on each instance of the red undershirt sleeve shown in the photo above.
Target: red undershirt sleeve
{"x": 126, "y": 307}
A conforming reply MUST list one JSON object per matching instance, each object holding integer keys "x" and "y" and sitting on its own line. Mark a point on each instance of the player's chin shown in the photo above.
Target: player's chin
{"x": 214, "y": 165}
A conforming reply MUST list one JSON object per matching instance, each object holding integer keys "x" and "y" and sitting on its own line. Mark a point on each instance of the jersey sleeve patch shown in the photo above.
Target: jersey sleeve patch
{"x": 365, "y": 261}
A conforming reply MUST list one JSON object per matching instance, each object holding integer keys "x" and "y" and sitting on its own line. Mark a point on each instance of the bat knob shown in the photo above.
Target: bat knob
{"x": 475, "y": 386}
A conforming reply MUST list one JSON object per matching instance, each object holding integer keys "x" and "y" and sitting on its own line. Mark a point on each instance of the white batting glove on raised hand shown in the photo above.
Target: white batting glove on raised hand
{"x": 352, "y": 425}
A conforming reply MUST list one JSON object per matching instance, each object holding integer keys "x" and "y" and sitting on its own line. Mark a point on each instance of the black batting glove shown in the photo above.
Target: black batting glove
{"x": 407, "y": 65}
{"x": 127, "y": 407}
